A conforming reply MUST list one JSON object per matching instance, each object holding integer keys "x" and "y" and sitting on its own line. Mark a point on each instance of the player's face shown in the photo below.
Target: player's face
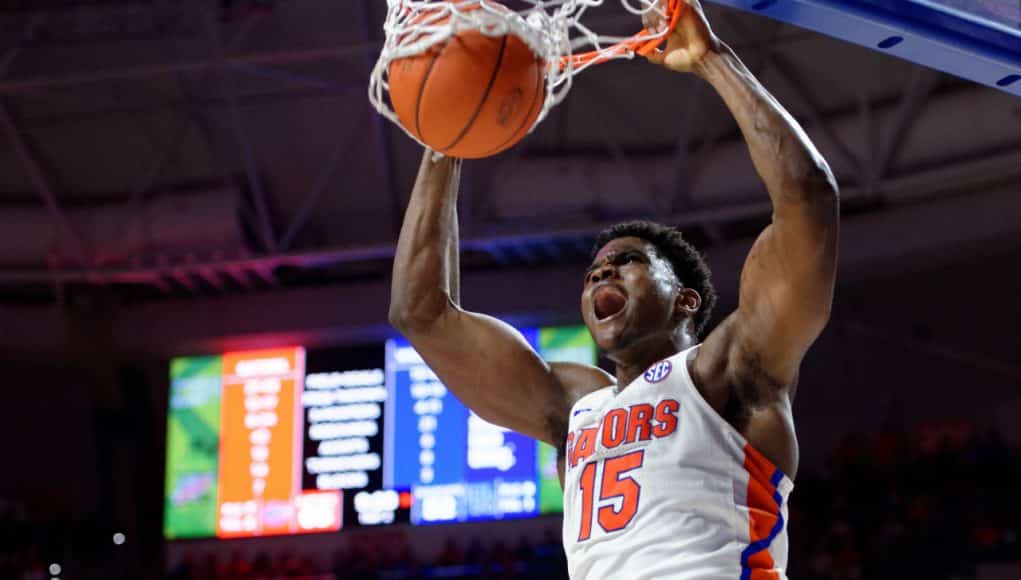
{"x": 629, "y": 294}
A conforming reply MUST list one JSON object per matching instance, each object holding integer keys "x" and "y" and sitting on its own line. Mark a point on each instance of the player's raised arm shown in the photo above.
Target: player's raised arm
{"x": 486, "y": 363}
{"x": 787, "y": 281}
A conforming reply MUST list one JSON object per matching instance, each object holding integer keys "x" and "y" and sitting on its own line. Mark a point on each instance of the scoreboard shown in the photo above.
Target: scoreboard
{"x": 288, "y": 441}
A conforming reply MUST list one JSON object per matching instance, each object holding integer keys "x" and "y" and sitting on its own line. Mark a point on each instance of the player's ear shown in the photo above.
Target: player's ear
{"x": 687, "y": 302}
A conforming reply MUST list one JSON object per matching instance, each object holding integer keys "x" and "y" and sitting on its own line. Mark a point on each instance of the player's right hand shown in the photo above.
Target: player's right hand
{"x": 688, "y": 43}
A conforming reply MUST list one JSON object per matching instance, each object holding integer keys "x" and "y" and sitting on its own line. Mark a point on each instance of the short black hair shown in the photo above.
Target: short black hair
{"x": 688, "y": 264}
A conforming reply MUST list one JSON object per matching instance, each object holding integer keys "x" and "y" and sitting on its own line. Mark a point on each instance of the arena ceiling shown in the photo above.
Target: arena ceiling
{"x": 170, "y": 150}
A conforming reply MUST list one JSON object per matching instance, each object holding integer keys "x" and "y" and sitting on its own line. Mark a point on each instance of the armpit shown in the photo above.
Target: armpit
{"x": 556, "y": 427}
{"x": 751, "y": 384}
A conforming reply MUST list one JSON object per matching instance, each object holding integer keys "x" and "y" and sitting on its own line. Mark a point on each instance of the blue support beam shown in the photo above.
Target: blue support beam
{"x": 921, "y": 31}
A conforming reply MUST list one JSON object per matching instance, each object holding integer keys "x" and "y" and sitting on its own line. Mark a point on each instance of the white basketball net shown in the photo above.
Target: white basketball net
{"x": 551, "y": 28}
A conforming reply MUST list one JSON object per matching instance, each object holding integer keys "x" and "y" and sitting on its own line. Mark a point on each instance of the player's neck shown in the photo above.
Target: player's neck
{"x": 636, "y": 358}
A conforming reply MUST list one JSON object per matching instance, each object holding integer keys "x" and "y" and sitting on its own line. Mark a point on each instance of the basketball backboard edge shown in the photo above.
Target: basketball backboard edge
{"x": 926, "y": 32}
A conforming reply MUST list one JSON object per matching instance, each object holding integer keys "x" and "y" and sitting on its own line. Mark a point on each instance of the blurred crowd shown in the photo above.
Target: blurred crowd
{"x": 392, "y": 559}
{"x": 935, "y": 504}
{"x": 931, "y": 504}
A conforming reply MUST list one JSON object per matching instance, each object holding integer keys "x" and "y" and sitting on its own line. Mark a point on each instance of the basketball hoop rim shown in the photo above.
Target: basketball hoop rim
{"x": 642, "y": 43}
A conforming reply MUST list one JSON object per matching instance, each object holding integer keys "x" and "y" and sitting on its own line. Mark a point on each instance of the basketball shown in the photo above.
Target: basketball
{"x": 470, "y": 96}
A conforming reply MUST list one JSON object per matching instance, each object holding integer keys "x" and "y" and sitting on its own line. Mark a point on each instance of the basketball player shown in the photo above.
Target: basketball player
{"x": 680, "y": 466}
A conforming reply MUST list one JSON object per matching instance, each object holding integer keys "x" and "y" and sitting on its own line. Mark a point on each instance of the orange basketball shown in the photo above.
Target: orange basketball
{"x": 471, "y": 96}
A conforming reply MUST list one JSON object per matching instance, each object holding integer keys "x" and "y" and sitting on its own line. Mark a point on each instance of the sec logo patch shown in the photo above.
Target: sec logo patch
{"x": 658, "y": 371}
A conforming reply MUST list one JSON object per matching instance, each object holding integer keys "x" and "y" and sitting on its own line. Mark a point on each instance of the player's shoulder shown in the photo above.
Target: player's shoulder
{"x": 579, "y": 379}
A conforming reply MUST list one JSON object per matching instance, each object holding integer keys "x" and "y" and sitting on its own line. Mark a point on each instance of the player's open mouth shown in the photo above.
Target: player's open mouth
{"x": 607, "y": 302}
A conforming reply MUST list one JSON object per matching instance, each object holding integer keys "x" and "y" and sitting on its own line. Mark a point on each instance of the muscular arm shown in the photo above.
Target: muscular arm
{"x": 787, "y": 281}
{"x": 486, "y": 363}
{"x": 748, "y": 366}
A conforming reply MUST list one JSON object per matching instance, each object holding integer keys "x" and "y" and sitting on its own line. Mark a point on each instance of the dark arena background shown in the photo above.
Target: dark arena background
{"x": 198, "y": 214}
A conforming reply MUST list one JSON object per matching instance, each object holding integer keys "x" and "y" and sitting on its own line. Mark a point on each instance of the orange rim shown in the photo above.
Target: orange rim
{"x": 640, "y": 43}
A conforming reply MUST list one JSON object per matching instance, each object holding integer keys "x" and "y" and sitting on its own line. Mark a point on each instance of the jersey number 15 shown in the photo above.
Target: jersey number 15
{"x": 614, "y": 483}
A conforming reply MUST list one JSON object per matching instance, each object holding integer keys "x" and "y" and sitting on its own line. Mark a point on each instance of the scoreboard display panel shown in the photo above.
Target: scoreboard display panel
{"x": 234, "y": 448}
{"x": 289, "y": 441}
{"x": 344, "y": 402}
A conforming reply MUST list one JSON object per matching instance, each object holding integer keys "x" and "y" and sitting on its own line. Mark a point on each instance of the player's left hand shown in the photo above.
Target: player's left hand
{"x": 688, "y": 43}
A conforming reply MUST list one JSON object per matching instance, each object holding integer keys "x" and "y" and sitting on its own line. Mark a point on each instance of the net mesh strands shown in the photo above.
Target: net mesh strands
{"x": 552, "y": 29}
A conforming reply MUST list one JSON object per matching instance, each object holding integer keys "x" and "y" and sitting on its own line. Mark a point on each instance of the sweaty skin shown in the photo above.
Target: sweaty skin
{"x": 747, "y": 366}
